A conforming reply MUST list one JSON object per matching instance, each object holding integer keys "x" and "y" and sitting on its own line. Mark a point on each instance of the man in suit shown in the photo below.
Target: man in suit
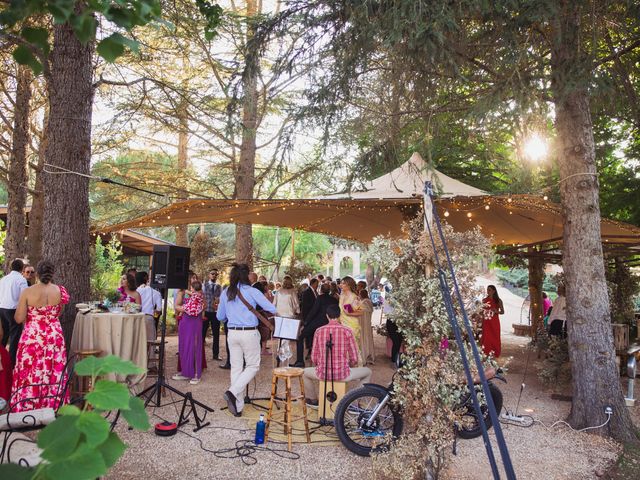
{"x": 316, "y": 318}
{"x": 308, "y": 299}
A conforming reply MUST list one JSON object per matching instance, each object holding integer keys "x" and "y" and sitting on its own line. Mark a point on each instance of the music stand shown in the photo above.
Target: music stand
{"x": 285, "y": 329}
{"x": 155, "y": 390}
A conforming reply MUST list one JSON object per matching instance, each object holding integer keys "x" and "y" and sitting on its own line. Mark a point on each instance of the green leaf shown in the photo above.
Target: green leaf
{"x": 61, "y": 10}
{"x": 84, "y": 464}
{"x": 136, "y": 416}
{"x": 112, "y": 449}
{"x": 84, "y": 25}
{"x": 112, "y": 47}
{"x": 38, "y": 37}
{"x": 59, "y": 439}
{"x": 23, "y": 56}
{"x": 70, "y": 410}
{"x": 94, "y": 427}
{"x": 16, "y": 472}
{"x": 95, "y": 367}
{"x": 109, "y": 395}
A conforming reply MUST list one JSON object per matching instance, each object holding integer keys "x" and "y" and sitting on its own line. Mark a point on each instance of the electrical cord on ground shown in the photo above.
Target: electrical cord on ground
{"x": 562, "y": 422}
{"x": 244, "y": 449}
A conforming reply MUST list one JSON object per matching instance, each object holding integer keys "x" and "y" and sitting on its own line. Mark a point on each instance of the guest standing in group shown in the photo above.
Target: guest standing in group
{"x": 308, "y": 299}
{"x": 286, "y": 299}
{"x": 150, "y": 304}
{"x": 237, "y": 305}
{"x": 212, "y": 292}
{"x": 182, "y": 296}
{"x": 11, "y": 286}
{"x": 558, "y": 318}
{"x": 335, "y": 293}
{"x": 315, "y": 319}
{"x": 350, "y": 306}
{"x": 42, "y": 357}
{"x": 190, "y": 335}
{"x": 366, "y": 307}
{"x": 493, "y": 307}
{"x": 29, "y": 274}
{"x": 128, "y": 289}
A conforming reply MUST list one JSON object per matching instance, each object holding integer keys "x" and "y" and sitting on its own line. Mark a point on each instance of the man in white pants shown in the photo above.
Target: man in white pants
{"x": 344, "y": 355}
{"x": 244, "y": 337}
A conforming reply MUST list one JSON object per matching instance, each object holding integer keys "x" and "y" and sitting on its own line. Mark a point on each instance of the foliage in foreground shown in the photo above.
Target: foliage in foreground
{"x": 431, "y": 382}
{"x": 79, "y": 445}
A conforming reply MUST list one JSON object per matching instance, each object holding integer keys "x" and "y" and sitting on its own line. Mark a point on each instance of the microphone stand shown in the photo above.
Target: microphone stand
{"x": 331, "y": 396}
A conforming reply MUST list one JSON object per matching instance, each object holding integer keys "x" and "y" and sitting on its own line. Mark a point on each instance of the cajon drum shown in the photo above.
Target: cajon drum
{"x": 332, "y": 397}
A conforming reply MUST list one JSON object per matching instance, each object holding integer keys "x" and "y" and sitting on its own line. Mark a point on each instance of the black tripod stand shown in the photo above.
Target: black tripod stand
{"x": 153, "y": 393}
{"x": 331, "y": 396}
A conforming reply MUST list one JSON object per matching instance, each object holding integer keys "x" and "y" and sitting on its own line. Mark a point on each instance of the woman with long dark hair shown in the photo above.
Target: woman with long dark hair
{"x": 493, "y": 306}
{"x": 41, "y": 359}
{"x": 237, "y": 309}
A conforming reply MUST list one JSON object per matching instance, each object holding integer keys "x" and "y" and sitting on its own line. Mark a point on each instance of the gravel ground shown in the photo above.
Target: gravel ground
{"x": 536, "y": 452}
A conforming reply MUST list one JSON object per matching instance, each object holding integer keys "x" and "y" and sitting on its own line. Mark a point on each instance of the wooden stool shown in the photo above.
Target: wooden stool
{"x": 286, "y": 374}
{"x": 82, "y": 385}
{"x": 331, "y": 398}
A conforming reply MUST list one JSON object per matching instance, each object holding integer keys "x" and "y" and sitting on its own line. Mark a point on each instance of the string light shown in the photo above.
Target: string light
{"x": 446, "y": 213}
{"x": 486, "y": 207}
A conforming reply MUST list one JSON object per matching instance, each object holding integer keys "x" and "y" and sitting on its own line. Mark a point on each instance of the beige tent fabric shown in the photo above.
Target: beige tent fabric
{"x": 407, "y": 181}
{"x": 391, "y": 199}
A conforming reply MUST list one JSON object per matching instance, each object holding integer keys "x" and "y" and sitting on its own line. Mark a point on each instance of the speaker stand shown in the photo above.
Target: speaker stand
{"x": 153, "y": 393}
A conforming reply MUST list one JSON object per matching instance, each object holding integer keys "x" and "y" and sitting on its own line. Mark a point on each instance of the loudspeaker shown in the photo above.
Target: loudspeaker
{"x": 170, "y": 267}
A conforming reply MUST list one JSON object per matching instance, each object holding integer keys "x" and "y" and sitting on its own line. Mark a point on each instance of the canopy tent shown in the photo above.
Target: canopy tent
{"x": 407, "y": 181}
{"x": 381, "y": 210}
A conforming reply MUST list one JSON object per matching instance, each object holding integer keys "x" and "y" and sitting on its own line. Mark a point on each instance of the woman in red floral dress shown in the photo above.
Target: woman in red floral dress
{"x": 42, "y": 357}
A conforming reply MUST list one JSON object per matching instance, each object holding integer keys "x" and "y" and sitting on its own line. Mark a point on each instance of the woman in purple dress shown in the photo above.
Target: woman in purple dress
{"x": 190, "y": 344}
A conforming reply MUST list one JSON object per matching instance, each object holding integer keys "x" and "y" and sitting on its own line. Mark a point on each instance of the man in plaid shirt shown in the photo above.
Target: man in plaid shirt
{"x": 342, "y": 356}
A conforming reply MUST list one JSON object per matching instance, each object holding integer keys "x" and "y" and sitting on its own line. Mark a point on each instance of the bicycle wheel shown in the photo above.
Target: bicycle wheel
{"x": 470, "y": 426}
{"x": 351, "y": 416}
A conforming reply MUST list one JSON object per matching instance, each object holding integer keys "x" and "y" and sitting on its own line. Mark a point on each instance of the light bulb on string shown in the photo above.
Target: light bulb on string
{"x": 446, "y": 213}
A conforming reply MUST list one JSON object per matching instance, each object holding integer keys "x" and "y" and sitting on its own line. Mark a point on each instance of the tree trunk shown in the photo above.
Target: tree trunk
{"x": 37, "y": 200}
{"x": 245, "y": 172}
{"x": 15, "y": 245}
{"x": 182, "y": 231}
{"x": 66, "y": 196}
{"x": 536, "y": 278}
{"x": 596, "y": 382}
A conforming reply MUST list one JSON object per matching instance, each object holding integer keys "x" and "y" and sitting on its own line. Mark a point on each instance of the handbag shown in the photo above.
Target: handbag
{"x": 266, "y": 323}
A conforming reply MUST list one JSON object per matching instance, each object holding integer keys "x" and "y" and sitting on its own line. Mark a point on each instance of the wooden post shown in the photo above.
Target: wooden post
{"x": 536, "y": 278}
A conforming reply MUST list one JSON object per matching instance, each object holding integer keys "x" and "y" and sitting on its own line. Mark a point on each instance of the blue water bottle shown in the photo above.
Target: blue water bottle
{"x": 260, "y": 428}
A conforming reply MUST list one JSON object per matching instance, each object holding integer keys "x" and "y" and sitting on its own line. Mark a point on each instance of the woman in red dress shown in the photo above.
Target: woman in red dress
{"x": 493, "y": 306}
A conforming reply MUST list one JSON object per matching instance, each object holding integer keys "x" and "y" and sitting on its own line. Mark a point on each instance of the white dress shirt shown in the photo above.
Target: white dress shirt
{"x": 11, "y": 286}
{"x": 150, "y": 300}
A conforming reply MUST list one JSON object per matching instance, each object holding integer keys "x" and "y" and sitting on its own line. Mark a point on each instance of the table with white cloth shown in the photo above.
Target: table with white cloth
{"x": 120, "y": 334}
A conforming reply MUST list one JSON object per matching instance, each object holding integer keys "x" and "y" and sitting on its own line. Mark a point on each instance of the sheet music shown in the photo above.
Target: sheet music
{"x": 286, "y": 328}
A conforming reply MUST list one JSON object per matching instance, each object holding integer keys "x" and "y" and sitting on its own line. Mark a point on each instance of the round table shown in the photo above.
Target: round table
{"x": 120, "y": 334}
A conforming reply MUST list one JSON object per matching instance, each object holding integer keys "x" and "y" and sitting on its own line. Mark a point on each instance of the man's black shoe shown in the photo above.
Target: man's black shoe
{"x": 231, "y": 403}
{"x": 226, "y": 366}
{"x": 298, "y": 365}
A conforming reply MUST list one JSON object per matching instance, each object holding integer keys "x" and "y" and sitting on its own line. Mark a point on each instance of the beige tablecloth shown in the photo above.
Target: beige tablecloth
{"x": 120, "y": 334}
